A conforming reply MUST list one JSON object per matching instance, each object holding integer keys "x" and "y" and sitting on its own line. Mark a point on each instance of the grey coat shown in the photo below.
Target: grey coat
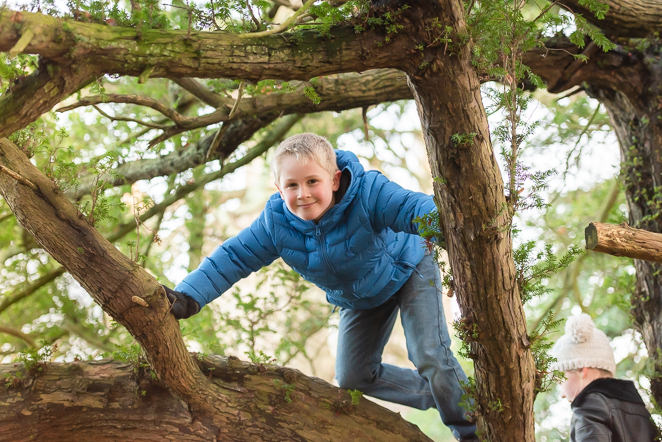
{"x": 611, "y": 410}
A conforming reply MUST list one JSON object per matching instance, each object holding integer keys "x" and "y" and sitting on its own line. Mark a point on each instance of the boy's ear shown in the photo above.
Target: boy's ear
{"x": 336, "y": 180}
{"x": 278, "y": 187}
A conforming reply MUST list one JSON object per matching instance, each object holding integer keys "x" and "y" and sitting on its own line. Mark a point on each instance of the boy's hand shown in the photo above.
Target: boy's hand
{"x": 182, "y": 305}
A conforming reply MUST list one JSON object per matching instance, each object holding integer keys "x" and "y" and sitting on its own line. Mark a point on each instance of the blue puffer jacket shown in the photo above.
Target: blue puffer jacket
{"x": 360, "y": 253}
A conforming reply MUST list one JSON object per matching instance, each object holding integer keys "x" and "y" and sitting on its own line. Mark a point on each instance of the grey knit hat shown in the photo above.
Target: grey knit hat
{"x": 583, "y": 345}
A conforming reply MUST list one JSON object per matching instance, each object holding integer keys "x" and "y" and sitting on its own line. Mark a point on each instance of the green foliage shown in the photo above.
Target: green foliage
{"x": 586, "y": 29}
{"x": 32, "y": 363}
{"x": 540, "y": 346}
{"x": 356, "y": 396}
{"x": 311, "y": 94}
{"x": 288, "y": 389}
{"x": 463, "y": 140}
{"x": 534, "y": 266}
{"x": 12, "y": 68}
{"x": 133, "y": 354}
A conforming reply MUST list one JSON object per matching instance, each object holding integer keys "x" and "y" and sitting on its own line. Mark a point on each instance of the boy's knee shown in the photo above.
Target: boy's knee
{"x": 354, "y": 379}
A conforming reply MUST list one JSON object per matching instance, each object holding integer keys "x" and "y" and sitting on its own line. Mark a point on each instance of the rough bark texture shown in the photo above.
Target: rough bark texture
{"x": 157, "y": 53}
{"x": 469, "y": 190}
{"x": 624, "y": 241}
{"x": 109, "y": 400}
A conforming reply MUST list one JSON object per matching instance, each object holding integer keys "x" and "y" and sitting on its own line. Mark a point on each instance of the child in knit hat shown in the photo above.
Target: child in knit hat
{"x": 603, "y": 408}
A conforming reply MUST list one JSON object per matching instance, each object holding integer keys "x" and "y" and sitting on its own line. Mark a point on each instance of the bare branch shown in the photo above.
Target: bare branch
{"x": 202, "y": 92}
{"x": 18, "y": 334}
{"x": 133, "y": 120}
{"x": 8, "y": 299}
{"x": 130, "y": 99}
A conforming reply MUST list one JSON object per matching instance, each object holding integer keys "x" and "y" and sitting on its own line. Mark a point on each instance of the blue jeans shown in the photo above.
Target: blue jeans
{"x": 363, "y": 334}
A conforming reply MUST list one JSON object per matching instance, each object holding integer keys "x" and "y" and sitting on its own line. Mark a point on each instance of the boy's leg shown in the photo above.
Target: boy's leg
{"x": 428, "y": 344}
{"x": 362, "y": 335}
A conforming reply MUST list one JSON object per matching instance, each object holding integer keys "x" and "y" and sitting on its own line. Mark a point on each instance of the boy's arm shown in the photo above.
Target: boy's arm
{"x": 391, "y": 205}
{"x": 252, "y": 249}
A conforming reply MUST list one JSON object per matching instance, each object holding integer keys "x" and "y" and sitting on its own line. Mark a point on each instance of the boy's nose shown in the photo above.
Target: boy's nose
{"x": 303, "y": 192}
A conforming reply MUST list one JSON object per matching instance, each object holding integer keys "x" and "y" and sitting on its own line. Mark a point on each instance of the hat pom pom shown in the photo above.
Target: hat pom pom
{"x": 579, "y": 328}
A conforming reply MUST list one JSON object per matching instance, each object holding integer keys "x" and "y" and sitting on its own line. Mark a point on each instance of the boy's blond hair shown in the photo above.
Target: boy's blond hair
{"x": 306, "y": 146}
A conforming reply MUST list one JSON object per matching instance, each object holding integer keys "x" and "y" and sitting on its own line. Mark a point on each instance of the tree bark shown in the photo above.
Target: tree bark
{"x": 624, "y": 241}
{"x": 160, "y": 53}
{"x": 110, "y": 400}
{"x": 470, "y": 194}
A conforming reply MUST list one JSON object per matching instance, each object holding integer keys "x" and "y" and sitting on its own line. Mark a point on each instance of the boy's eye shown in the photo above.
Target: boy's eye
{"x": 291, "y": 185}
{"x": 313, "y": 181}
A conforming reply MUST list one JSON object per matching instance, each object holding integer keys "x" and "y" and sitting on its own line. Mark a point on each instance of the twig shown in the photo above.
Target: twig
{"x": 286, "y": 24}
{"x": 21, "y": 179}
{"x": 240, "y": 92}
{"x": 255, "y": 20}
{"x": 127, "y": 99}
{"x": 133, "y": 120}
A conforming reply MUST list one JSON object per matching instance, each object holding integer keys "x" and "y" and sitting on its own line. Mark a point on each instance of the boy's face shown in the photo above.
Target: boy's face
{"x": 573, "y": 384}
{"x": 306, "y": 187}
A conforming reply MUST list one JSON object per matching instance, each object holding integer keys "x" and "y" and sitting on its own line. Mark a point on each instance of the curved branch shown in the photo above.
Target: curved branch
{"x": 9, "y": 299}
{"x": 283, "y": 26}
{"x": 336, "y": 92}
{"x": 37, "y": 93}
{"x": 18, "y": 334}
{"x": 139, "y": 100}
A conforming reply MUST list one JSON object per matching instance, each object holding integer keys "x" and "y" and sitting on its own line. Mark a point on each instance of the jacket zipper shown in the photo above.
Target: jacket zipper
{"x": 325, "y": 259}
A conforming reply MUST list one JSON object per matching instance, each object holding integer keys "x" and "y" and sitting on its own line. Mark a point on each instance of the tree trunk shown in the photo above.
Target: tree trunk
{"x": 110, "y": 400}
{"x": 469, "y": 190}
{"x": 624, "y": 241}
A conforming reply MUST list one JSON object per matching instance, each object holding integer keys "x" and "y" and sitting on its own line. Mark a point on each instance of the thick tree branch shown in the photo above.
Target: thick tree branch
{"x": 624, "y": 240}
{"x": 83, "y": 400}
{"x": 37, "y": 93}
{"x": 173, "y": 54}
{"x": 619, "y": 69}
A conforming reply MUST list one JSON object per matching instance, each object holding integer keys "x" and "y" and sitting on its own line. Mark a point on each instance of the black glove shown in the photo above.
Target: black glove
{"x": 182, "y": 305}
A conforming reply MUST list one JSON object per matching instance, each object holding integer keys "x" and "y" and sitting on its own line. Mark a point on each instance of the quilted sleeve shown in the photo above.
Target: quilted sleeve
{"x": 252, "y": 249}
{"x": 393, "y": 206}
